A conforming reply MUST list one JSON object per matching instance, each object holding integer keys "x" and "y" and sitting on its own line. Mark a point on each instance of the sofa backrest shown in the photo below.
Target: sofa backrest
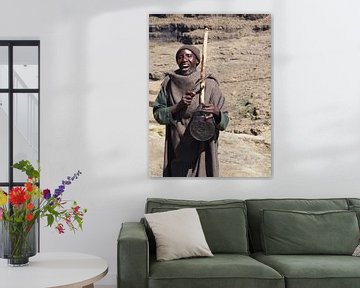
{"x": 353, "y": 202}
{"x": 254, "y": 207}
{"x": 223, "y": 222}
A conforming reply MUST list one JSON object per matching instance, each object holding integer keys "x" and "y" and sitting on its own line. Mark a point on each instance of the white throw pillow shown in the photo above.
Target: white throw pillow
{"x": 357, "y": 251}
{"x": 178, "y": 234}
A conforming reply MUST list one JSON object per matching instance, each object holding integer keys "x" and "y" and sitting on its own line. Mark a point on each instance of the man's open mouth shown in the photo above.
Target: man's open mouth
{"x": 184, "y": 66}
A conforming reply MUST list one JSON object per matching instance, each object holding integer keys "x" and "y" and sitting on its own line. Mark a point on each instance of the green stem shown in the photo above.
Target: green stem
{"x": 18, "y": 239}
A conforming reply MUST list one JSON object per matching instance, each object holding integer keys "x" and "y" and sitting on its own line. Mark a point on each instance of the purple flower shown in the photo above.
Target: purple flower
{"x": 68, "y": 181}
{"x": 46, "y": 194}
{"x": 58, "y": 192}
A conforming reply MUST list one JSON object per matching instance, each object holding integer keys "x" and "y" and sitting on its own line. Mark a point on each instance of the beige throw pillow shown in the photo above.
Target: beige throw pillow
{"x": 357, "y": 251}
{"x": 178, "y": 234}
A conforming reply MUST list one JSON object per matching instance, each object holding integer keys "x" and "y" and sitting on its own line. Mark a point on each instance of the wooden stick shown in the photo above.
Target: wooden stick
{"x": 203, "y": 63}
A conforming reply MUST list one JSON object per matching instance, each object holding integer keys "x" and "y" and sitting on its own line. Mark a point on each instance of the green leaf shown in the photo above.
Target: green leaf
{"x": 50, "y": 219}
{"x": 52, "y": 211}
{"x": 28, "y": 168}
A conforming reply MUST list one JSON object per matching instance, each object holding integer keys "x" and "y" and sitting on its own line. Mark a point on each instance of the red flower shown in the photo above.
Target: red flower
{"x": 29, "y": 217}
{"x": 27, "y": 196}
{"x": 29, "y": 186}
{"x": 29, "y": 206}
{"x": 75, "y": 209}
{"x": 68, "y": 219}
{"x": 17, "y": 196}
{"x": 60, "y": 228}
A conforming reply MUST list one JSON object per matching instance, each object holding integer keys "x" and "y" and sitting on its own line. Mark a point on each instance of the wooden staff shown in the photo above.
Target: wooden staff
{"x": 203, "y": 63}
{"x": 202, "y": 129}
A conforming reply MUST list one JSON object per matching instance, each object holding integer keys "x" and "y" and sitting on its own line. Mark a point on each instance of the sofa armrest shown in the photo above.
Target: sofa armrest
{"x": 133, "y": 256}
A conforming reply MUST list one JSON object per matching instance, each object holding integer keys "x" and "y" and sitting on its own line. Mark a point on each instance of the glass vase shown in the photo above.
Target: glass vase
{"x": 18, "y": 242}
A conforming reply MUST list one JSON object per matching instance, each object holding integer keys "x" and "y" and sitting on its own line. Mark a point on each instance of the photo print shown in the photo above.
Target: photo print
{"x": 210, "y": 95}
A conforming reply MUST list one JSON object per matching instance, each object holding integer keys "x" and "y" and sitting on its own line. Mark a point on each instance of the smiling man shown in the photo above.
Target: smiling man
{"x": 174, "y": 107}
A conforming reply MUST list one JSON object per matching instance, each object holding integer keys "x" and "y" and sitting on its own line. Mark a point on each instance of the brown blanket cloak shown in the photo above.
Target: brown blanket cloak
{"x": 183, "y": 155}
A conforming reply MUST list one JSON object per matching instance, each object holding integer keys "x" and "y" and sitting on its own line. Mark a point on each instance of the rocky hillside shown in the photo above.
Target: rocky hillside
{"x": 239, "y": 54}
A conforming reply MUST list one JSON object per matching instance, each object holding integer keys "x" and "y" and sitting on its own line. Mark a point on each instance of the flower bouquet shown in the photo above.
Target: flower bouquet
{"x": 21, "y": 208}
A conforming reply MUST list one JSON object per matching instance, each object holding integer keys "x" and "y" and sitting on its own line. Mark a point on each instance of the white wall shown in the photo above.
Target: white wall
{"x": 94, "y": 72}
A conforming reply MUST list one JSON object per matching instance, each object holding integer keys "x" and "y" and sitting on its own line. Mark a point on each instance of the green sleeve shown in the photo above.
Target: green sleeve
{"x": 161, "y": 111}
{"x": 224, "y": 121}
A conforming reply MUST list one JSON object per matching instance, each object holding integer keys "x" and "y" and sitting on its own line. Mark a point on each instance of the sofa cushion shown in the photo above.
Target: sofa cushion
{"x": 313, "y": 271}
{"x": 356, "y": 209}
{"x": 222, "y": 270}
{"x": 353, "y": 201}
{"x": 178, "y": 234}
{"x": 298, "y": 232}
{"x": 223, "y": 221}
{"x": 254, "y": 217}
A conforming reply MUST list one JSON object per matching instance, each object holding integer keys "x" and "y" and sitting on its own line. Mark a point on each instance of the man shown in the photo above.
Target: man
{"x": 174, "y": 107}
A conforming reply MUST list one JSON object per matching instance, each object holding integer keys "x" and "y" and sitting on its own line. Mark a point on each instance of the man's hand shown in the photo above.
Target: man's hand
{"x": 187, "y": 98}
{"x": 184, "y": 102}
{"x": 210, "y": 111}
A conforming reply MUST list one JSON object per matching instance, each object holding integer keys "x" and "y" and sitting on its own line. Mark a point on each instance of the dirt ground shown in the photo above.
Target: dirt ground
{"x": 239, "y": 55}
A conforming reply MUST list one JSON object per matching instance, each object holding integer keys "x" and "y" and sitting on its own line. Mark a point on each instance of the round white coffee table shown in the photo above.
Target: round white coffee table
{"x": 50, "y": 270}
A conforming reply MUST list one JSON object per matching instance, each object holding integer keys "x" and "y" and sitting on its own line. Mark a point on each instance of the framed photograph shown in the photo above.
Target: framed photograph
{"x": 210, "y": 95}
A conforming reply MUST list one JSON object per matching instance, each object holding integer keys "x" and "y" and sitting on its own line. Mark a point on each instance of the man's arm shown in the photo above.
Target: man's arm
{"x": 162, "y": 113}
{"x": 217, "y": 108}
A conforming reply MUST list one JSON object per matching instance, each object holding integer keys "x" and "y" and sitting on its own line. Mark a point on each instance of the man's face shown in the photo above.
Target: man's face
{"x": 186, "y": 61}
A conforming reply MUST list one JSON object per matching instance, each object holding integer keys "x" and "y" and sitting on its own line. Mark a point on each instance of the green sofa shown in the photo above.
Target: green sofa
{"x": 260, "y": 243}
